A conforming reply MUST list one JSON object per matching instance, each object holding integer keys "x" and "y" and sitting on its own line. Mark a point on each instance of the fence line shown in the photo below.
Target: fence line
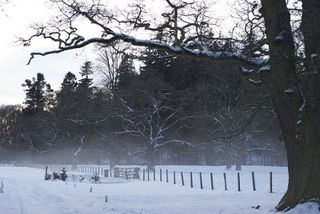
{"x": 106, "y": 172}
{"x": 238, "y": 181}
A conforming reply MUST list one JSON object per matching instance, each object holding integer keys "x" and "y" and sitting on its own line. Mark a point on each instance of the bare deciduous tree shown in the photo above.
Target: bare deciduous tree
{"x": 152, "y": 124}
{"x": 109, "y": 61}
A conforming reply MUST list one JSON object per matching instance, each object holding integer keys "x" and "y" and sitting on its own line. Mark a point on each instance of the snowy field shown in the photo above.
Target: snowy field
{"x": 26, "y": 192}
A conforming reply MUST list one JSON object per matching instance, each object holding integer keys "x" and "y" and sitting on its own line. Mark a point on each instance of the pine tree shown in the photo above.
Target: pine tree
{"x": 50, "y": 100}
{"x": 35, "y": 94}
{"x": 66, "y": 106}
{"x": 126, "y": 73}
{"x": 68, "y": 88}
{"x": 84, "y": 91}
{"x": 69, "y": 83}
{"x": 86, "y": 71}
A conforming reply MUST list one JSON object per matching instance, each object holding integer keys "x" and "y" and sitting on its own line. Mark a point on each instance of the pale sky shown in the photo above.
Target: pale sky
{"x": 20, "y": 14}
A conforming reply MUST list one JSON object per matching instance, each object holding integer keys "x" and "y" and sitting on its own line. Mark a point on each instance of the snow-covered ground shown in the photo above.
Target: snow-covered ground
{"x": 26, "y": 192}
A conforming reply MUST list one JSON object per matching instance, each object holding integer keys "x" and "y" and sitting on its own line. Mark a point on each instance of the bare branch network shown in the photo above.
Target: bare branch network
{"x": 153, "y": 123}
{"x": 184, "y": 29}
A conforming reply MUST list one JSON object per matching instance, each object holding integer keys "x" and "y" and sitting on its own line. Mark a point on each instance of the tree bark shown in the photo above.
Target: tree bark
{"x": 150, "y": 157}
{"x": 298, "y": 112}
{"x": 150, "y": 163}
{"x": 310, "y": 26}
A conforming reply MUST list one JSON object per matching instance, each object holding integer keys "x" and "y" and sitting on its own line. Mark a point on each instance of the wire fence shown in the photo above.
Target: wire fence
{"x": 267, "y": 181}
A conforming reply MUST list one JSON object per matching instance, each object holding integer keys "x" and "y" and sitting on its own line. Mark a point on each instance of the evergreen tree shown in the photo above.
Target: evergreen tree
{"x": 66, "y": 106}
{"x": 84, "y": 90}
{"x": 126, "y": 72}
{"x": 68, "y": 87}
{"x": 86, "y": 71}
{"x": 50, "y": 98}
{"x": 75, "y": 104}
{"x": 36, "y": 94}
{"x": 69, "y": 83}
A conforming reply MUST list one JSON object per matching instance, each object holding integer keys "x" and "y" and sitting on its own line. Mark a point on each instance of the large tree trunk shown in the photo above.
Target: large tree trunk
{"x": 151, "y": 156}
{"x": 298, "y": 112}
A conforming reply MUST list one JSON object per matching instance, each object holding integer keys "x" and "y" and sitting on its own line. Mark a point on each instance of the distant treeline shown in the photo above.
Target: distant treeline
{"x": 170, "y": 109}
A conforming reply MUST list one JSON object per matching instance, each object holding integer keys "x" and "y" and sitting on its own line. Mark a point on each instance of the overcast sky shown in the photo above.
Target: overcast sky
{"x": 18, "y": 15}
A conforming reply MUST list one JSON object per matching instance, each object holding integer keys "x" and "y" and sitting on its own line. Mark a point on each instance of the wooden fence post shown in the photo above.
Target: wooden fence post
{"x": 160, "y": 174}
{"x": 253, "y": 181}
{"x": 143, "y": 174}
{"x": 225, "y": 181}
{"x": 182, "y": 180}
{"x": 174, "y": 177}
{"x": 167, "y": 176}
{"x": 148, "y": 173}
{"x": 211, "y": 179}
{"x": 191, "y": 180}
{"x": 126, "y": 174}
{"x": 46, "y": 174}
{"x": 238, "y": 175}
{"x": 270, "y": 182}
{"x": 154, "y": 174}
{"x": 1, "y": 187}
{"x": 201, "y": 184}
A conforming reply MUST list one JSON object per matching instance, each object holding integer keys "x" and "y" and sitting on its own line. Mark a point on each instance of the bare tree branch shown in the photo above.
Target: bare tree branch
{"x": 185, "y": 30}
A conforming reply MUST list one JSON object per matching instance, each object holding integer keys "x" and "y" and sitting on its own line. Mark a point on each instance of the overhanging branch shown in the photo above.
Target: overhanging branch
{"x": 185, "y": 37}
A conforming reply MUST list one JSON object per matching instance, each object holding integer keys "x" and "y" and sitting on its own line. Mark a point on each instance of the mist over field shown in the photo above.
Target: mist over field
{"x": 167, "y": 106}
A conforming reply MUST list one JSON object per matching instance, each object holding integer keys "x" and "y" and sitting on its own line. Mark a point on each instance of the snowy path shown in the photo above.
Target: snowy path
{"x": 25, "y": 192}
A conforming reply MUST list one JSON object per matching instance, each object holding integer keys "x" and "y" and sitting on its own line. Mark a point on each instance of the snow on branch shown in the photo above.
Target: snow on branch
{"x": 266, "y": 68}
{"x": 31, "y": 145}
{"x": 182, "y": 142}
{"x": 153, "y": 123}
{"x": 186, "y": 25}
{"x": 80, "y": 147}
{"x": 255, "y": 82}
